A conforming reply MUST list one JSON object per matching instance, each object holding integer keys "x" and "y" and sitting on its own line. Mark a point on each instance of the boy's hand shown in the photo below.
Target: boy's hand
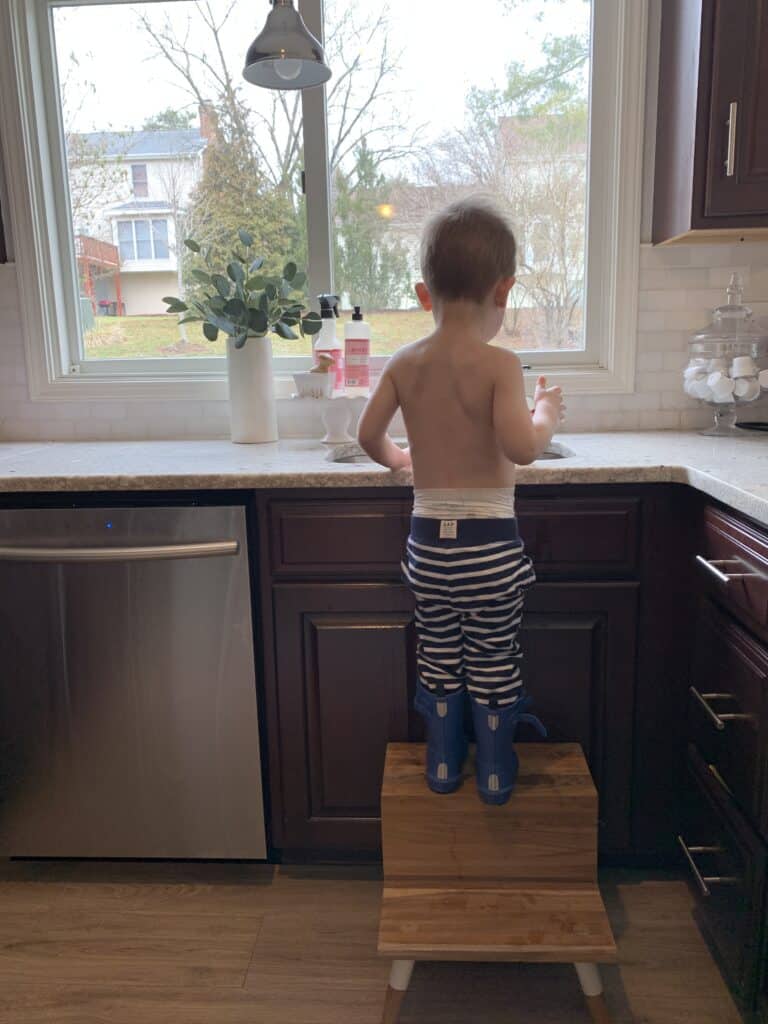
{"x": 549, "y": 402}
{"x": 401, "y": 459}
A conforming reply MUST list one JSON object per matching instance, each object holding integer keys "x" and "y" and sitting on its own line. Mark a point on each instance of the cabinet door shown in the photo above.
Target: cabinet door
{"x": 345, "y": 676}
{"x": 579, "y": 646}
{"x": 737, "y": 151}
{"x": 727, "y": 863}
{"x": 729, "y": 674}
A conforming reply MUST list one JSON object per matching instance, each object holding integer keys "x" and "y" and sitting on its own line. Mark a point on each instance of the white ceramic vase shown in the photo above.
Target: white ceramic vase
{"x": 252, "y": 409}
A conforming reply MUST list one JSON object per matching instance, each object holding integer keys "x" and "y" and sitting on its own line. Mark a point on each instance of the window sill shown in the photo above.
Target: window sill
{"x": 211, "y": 386}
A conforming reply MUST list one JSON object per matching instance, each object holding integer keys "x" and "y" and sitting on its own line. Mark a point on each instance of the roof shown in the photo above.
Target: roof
{"x": 182, "y": 142}
{"x": 140, "y": 206}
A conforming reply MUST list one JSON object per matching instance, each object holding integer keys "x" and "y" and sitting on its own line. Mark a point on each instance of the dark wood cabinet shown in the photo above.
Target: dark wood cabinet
{"x": 712, "y": 128}
{"x": 345, "y": 679}
{"x": 341, "y": 672}
{"x": 579, "y": 646}
{"x": 727, "y": 863}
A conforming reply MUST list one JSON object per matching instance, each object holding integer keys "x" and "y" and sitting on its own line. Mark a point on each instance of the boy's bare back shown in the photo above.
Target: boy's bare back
{"x": 445, "y": 388}
{"x": 463, "y": 400}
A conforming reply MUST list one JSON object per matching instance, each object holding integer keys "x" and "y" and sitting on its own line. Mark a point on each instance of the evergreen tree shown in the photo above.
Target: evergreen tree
{"x": 169, "y": 120}
{"x": 371, "y": 267}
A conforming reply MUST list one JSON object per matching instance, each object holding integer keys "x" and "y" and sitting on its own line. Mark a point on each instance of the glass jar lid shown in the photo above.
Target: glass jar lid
{"x": 732, "y": 322}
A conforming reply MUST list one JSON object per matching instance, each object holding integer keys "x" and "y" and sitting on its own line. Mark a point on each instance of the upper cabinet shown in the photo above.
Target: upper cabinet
{"x": 712, "y": 132}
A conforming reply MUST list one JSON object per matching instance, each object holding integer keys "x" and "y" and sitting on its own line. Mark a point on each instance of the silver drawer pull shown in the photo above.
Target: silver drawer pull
{"x": 146, "y": 553}
{"x": 705, "y": 881}
{"x": 730, "y": 159}
{"x": 718, "y": 719}
{"x": 712, "y": 565}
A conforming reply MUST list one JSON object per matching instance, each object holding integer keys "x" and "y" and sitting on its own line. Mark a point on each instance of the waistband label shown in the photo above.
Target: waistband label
{"x": 449, "y": 529}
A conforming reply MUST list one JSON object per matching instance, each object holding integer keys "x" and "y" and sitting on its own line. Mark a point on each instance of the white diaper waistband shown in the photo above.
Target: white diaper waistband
{"x": 464, "y": 503}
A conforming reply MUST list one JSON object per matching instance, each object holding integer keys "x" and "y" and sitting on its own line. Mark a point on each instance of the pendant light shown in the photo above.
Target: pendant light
{"x": 285, "y": 55}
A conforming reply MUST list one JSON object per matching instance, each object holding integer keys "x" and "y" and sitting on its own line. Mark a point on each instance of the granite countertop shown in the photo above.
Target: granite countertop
{"x": 734, "y": 471}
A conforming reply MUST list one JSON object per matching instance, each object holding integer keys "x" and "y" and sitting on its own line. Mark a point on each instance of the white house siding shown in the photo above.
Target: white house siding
{"x": 143, "y": 293}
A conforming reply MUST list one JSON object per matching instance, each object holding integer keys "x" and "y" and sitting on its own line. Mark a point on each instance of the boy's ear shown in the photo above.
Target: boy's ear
{"x": 501, "y": 293}
{"x": 425, "y": 299}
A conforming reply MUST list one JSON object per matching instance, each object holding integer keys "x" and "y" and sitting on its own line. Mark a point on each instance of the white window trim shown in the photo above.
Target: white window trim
{"x": 39, "y": 213}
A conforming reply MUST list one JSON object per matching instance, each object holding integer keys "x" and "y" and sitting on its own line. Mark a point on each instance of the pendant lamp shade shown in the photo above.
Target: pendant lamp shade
{"x": 285, "y": 55}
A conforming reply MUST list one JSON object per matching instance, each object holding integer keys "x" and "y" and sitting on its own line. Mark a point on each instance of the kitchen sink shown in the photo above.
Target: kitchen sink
{"x": 351, "y": 453}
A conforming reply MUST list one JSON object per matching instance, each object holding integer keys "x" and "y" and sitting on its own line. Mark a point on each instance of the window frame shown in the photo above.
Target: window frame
{"x": 30, "y": 121}
{"x": 142, "y": 182}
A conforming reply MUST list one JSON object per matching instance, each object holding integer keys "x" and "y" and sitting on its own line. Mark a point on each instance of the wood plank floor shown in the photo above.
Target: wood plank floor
{"x": 229, "y": 944}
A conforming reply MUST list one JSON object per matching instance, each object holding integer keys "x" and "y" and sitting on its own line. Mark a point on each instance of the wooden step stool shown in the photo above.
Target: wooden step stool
{"x": 467, "y": 881}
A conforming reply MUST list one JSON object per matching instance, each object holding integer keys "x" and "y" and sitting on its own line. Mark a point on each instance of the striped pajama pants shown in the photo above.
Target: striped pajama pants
{"x": 469, "y": 587}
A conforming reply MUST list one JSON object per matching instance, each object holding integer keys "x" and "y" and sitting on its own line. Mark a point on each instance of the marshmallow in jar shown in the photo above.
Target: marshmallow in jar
{"x": 728, "y": 362}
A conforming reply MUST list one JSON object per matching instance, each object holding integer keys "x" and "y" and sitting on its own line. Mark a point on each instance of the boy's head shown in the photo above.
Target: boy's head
{"x": 468, "y": 252}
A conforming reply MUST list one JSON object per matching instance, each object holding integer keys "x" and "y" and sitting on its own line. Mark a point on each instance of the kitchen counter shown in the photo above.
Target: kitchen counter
{"x": 734, "y": 471}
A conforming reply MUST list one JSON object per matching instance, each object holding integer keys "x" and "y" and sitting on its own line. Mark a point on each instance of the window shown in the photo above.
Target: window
{"x": 143, "y": 240}
{"x": 139, "y": 180}
{"x": 546, "y": 117}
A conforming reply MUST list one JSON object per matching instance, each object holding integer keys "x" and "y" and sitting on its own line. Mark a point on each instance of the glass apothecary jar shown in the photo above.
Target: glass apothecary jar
{"x": 728, "y": 361}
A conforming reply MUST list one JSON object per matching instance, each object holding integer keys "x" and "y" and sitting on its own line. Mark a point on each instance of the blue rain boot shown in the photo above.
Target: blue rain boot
{"x": 497, "y": 761}
{"x": 446, "y": 742}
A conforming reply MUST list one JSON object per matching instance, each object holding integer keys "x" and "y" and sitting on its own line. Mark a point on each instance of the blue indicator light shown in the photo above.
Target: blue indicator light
{"x": 108, "y": 524}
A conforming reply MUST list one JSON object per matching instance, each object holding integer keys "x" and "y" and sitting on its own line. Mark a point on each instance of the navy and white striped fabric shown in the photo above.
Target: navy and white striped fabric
{"x": 469, "y": 603}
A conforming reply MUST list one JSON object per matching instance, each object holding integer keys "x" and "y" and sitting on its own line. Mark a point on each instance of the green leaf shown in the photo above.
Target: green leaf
{"x": 257, "y": 264}
{"x": 311, "y": 324}
{"x": 191, "y": 319}
{"x": 289, "y": 271}
{"x": 241, "y": 339}
{"x": 210, "y": 331}
{"x": 257, "y": 321}
{"x": 217, "y": 303}
{"x": 192, "y": 244}
{"x": 200, "y": 275}
{"x": 264, "y": 303}
{"x": 221, "y": 284}
{"x": 255, "y": 284}
{"x": 270, "y": 291}
{"x": 175, "y": 305}
{"x": 284, "y": 331}
{"x": 290, "y": 320}
{"x": 236, "y": 272}
{"x": 245, "y": 237}
{"x": 299, "y": 280}
{"x": 235, "y": 308}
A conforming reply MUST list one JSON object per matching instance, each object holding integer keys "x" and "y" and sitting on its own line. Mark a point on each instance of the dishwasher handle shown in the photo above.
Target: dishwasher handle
{"x": 141, "y": 553}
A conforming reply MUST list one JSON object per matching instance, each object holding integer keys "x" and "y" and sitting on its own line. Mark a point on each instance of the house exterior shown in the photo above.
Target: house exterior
{"x": 129, "y": 191}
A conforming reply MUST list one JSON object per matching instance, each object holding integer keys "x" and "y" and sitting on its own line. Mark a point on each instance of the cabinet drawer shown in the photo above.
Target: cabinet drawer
{"x": 593, "y": 537}
{"x": 735, "y": 564}
{"x": 727, "y": 864}
{"x": 729, "y": 673}
{"x": 338, "y": 538}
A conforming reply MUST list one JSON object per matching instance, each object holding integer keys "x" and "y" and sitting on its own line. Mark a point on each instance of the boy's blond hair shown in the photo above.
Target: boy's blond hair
{"x": 466, "y": 249}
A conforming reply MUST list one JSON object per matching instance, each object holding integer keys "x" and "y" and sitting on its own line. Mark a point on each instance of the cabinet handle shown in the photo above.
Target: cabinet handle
{"x": 718, "y": 718}
{"x": 704, "y": 881}
{"x": 712, "y": 565}
{"x": 730, "y": 160}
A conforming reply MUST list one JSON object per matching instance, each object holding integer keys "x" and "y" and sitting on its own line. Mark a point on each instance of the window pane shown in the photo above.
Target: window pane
{"x": 143, "y": 244}
{"x": 140, "y": 149}
{"x": 504, "y": 110}
{"x": 160, "y": 239}
{"x": 125, "y": 238}
{"x": 140, "y": 183}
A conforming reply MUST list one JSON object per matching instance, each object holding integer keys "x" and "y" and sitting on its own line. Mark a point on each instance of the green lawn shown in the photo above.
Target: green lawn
{"x": 159, "y": 336}
{"x": 134, "y": 337}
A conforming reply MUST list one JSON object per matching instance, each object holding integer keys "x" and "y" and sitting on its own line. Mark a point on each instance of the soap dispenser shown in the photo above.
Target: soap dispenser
{"x": 327, "y": 343}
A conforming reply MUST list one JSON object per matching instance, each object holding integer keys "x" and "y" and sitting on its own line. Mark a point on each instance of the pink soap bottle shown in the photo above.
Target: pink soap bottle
{"x": 327, "y": 343}
{"x": 357, "y": 355}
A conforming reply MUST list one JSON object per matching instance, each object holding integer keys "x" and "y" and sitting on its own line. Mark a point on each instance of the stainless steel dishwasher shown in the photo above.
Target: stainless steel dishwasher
{"x": 128, "y": 710}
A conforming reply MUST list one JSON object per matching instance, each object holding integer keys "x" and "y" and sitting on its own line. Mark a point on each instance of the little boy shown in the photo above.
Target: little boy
{"x": 468, "y": 424}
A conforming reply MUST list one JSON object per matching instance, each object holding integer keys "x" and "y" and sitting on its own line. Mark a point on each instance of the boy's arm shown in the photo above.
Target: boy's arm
{"x": 522, "y": 436}
{"x": 372, "y": 428}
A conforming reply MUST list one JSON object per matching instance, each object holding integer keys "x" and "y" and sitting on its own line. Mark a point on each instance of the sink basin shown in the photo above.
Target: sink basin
{"x": 351, "y": 453}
